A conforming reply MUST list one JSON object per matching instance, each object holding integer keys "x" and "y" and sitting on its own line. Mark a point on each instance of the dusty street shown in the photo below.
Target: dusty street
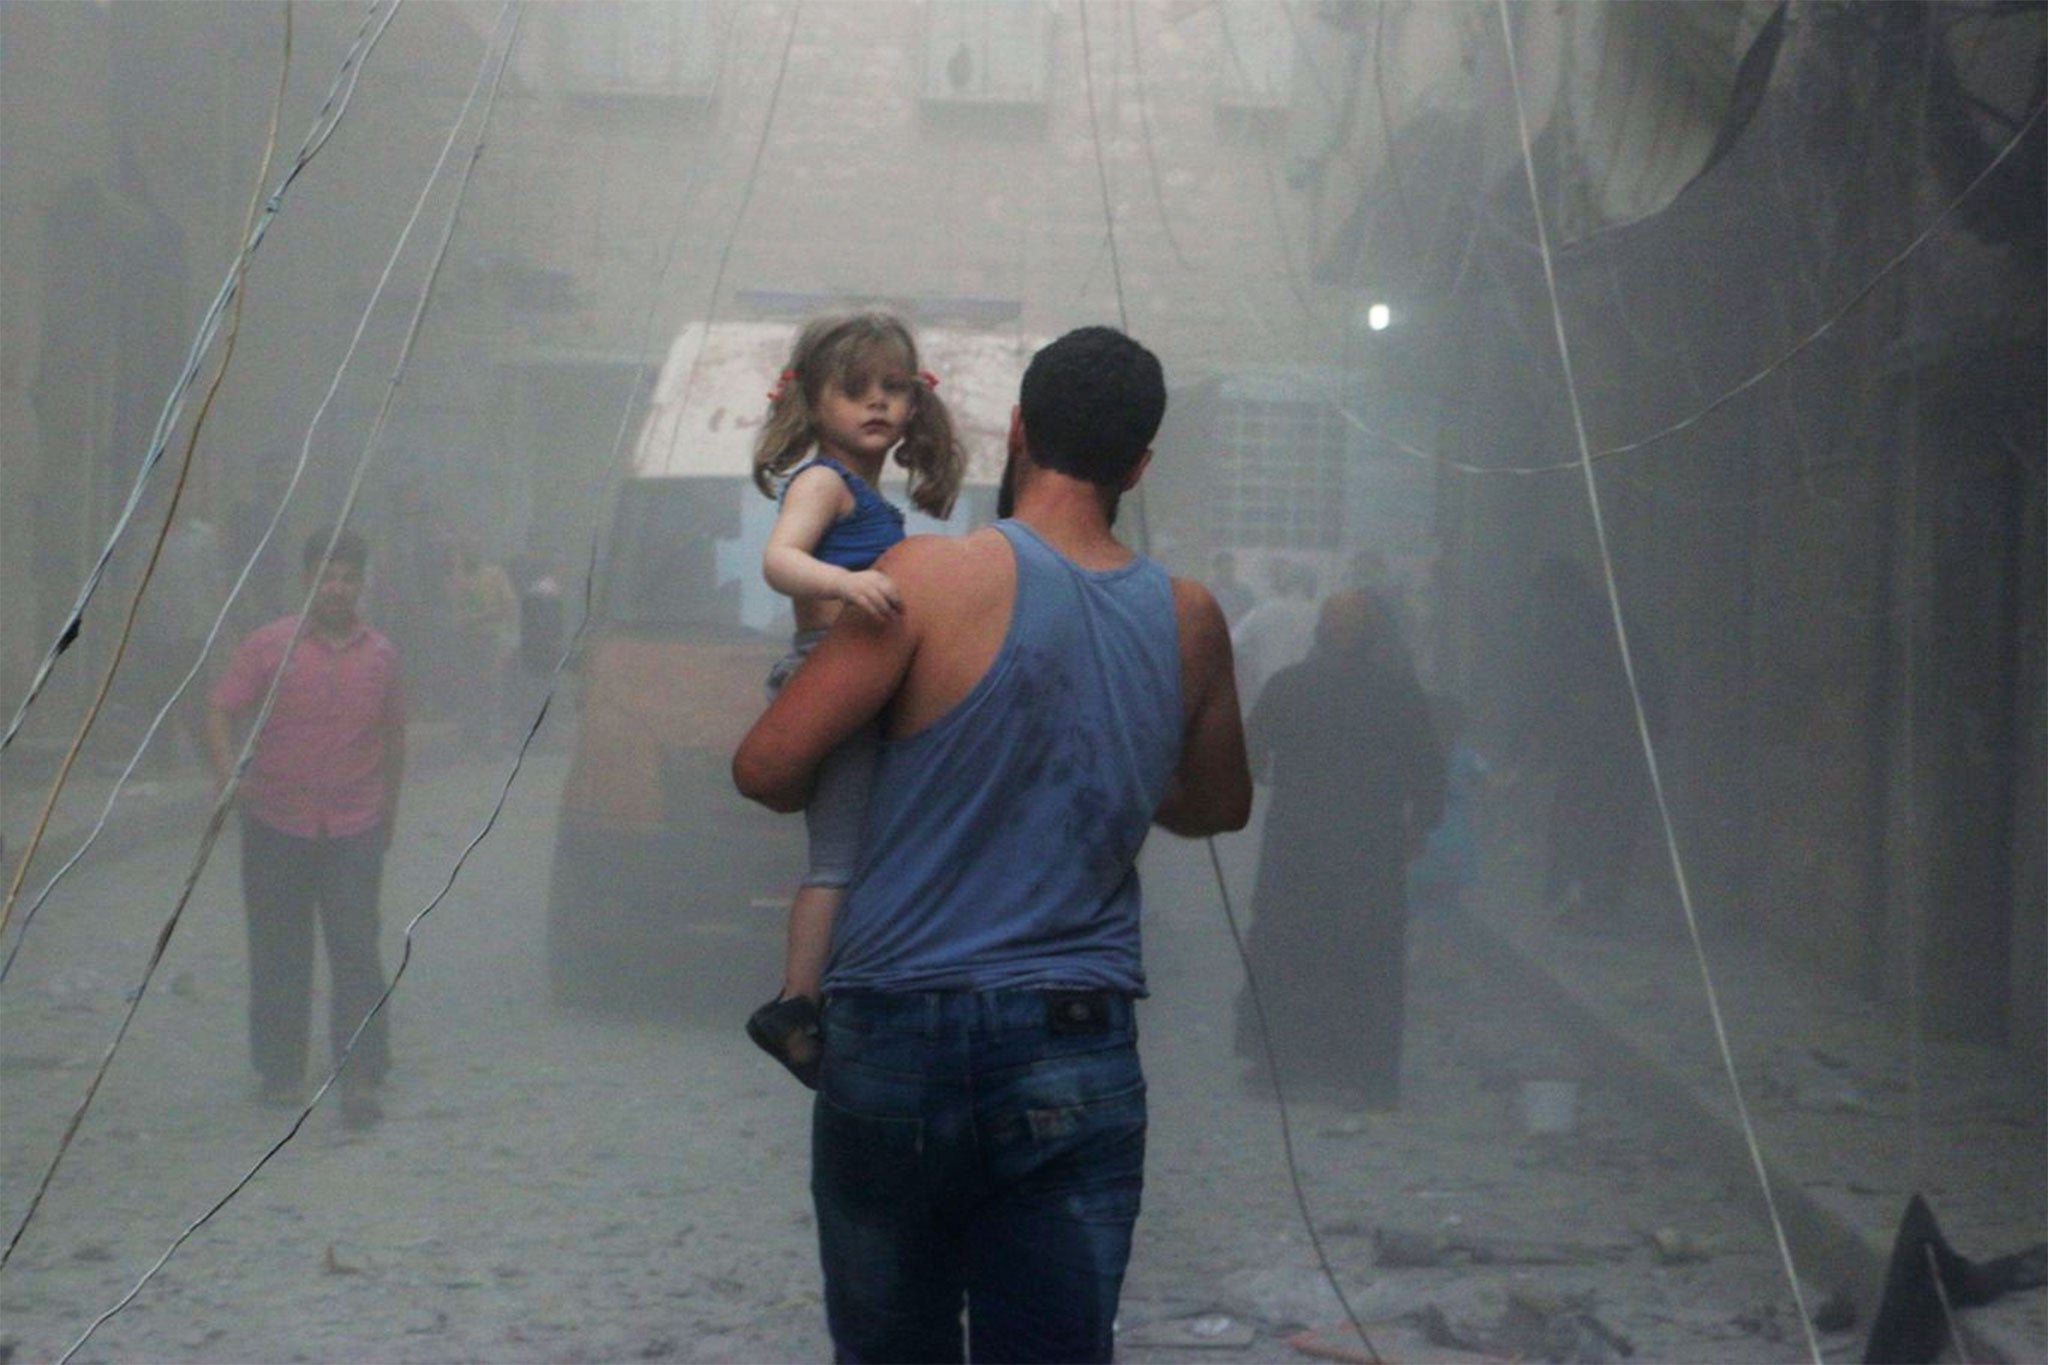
{"x": 565, "y": 1187}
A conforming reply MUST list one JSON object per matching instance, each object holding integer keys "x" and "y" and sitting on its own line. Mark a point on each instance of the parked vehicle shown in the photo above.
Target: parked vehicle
{"x": 666, "y": 886}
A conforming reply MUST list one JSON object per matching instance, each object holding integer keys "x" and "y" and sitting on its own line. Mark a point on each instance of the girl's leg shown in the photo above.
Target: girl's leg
{"x": 810, "y": 939}
{"x": 787, "y": 1026}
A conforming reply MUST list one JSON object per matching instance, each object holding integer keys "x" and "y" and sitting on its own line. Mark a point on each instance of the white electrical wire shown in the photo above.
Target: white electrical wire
{"x": 1564, "y": 355}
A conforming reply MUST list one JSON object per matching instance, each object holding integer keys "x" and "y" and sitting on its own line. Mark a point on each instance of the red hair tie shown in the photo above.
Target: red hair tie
{"x": 931, "y": 381}
{"x": 782, "y": 383}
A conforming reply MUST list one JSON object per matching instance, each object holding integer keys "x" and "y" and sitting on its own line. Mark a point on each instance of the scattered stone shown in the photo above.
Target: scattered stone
{"x": 1407, "y": 1249}
{"x": 1282, "y": 1295}
{"x": 1761, "y": 1321}
{"x": 1835, "y": 1313}
{"x": 1203, "y": 1330}
{"x": 334, "y": 1265}
{"x": 1345, "y": 1227}
{"x": 1561, "y": 1329}
{"x": 1677, "y": 1248}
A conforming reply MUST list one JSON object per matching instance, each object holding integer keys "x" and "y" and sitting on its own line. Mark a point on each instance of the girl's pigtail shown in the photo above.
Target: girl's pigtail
{"x": 932, "y": 452}
{"x": 785, "y": 437}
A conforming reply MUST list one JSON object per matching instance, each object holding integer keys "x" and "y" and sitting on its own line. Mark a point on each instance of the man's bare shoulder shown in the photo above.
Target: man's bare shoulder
{"x": 1201, "y": 616}
{"x": 938, "y": 559}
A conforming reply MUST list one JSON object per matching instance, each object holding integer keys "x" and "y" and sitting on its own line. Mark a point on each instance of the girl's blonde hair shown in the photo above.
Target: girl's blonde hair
{"x": 848, "y": 349}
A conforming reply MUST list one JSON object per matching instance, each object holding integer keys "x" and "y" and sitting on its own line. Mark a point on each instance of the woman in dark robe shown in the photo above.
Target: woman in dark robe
{"x": 1344, "y": 739}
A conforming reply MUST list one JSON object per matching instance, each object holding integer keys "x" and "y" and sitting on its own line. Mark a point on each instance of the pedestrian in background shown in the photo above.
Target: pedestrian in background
{"x": 486, "y": 613}
{"x": 1448, "y": 867}
{"x": 1276, "y": 632}
{"x": 1233, "y": 594}
{"x": 1345, "y": 742}
{"x": 318, "y": 803}
{"x": 1578, "y": 728}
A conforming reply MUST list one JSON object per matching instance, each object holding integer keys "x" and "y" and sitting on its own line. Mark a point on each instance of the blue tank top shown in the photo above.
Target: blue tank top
{"x": 1001, "y": 843}
{"x": 858, "y": 539}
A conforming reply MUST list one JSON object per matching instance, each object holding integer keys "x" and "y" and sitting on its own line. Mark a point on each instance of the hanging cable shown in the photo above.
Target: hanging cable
{"x": 1564, "y": 355}
{"x": 669, "y": 256}
{"x": 6, "y": 965}
{"x": 339, "y": 97}
{"x": 1145, "y": 132}
{"x": 163, "y": 532}
{"x": 1771, "y": 367}
{"x": 1116, "y": 271}
{"x": 1143, "y": 538}
{"x": 1290, "y": 268}
{"x": 222, "y": 804}
{"x": 738, "y": 218}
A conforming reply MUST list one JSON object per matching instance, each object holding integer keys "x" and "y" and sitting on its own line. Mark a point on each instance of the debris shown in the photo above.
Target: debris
{"x": 1346, "y": 1227}
{"x": 1409, "y": 1337}
{"x": 1438, "y": 1330}
{"x": 81, "y": 989}
{"x": 1206, "y": 1329}
{"x": 334, "y": 1265}
{"x": 1926, "y": 1278}
{"x": 1677, "y": 1248}
{"x": 1405, "y": 1248}
{"x": 1317, "y": 1347}
{"x": 1761, "y": 1321}
{"x": 1560, "y": 1329}
{"x": 1835, "y": 1313}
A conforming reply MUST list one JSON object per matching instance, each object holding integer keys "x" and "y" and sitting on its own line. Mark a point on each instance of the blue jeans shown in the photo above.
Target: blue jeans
{"x": 983, "y": 1151}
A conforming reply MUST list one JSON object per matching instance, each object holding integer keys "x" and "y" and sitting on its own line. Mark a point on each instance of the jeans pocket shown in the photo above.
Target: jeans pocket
{"x": 1071, "y": 1132}
{"x": 871, "y": 1183}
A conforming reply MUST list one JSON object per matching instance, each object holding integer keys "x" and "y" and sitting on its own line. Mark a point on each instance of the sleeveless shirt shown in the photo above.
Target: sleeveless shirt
{"x": 857, "y": 540}
{"x": 1001, "y": 843}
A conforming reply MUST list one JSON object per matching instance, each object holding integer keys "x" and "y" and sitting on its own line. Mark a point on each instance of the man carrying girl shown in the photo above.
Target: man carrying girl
{"x": 1045, "y": 695}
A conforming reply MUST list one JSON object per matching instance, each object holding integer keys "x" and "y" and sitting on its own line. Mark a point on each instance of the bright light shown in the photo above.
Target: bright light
{"x": 1378, "y": 316}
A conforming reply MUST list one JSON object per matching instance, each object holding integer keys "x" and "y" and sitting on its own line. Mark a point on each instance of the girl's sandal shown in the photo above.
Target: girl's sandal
{"x": 786, "y": 1028}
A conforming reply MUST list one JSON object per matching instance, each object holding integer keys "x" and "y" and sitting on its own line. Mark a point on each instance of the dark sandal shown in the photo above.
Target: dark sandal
{"x": 787, "y": 1030}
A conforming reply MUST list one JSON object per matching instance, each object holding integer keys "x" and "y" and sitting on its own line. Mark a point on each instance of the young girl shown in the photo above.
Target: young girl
{"x": 851, "y": 393}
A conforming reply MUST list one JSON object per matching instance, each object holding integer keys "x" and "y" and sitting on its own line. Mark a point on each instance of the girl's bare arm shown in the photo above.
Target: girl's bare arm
{"x": 816, "y": 498}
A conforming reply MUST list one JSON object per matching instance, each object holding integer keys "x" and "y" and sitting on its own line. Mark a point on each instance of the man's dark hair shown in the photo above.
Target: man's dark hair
{"x": 1092, "y": 402}
{"x": 349, "y": 548}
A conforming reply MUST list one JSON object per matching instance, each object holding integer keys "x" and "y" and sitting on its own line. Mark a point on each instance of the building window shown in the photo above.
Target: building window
{"x": 641, "y": 48}
{"x": 1281, "y": 469}
{"x": 987, "y": 51}
{"x": 1257, "y": 66}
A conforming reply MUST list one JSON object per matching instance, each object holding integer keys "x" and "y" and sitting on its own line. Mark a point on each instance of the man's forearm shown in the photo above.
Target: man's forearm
{"x": 1196, "y": 812}
{"x": 764, "y": 771}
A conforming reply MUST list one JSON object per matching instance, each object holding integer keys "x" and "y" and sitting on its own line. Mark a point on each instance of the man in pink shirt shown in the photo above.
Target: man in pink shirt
{"x": 318, "y": 802}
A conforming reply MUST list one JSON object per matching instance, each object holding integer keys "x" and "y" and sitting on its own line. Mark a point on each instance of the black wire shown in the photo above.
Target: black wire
{"x": 1116, "y": 270}
{"x": 344, "y": 89}
{"x": 219, "y": 815}
{"x": 1790, "y": 353}
{"x": 740, "y": 214}
{"x": 1251, "y": 983}
{"x": 519, "y": 760}
{"x": 1145, "y": 132}
{"x": 1116, "y": 273}
{"x": 1143, "y": 537}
